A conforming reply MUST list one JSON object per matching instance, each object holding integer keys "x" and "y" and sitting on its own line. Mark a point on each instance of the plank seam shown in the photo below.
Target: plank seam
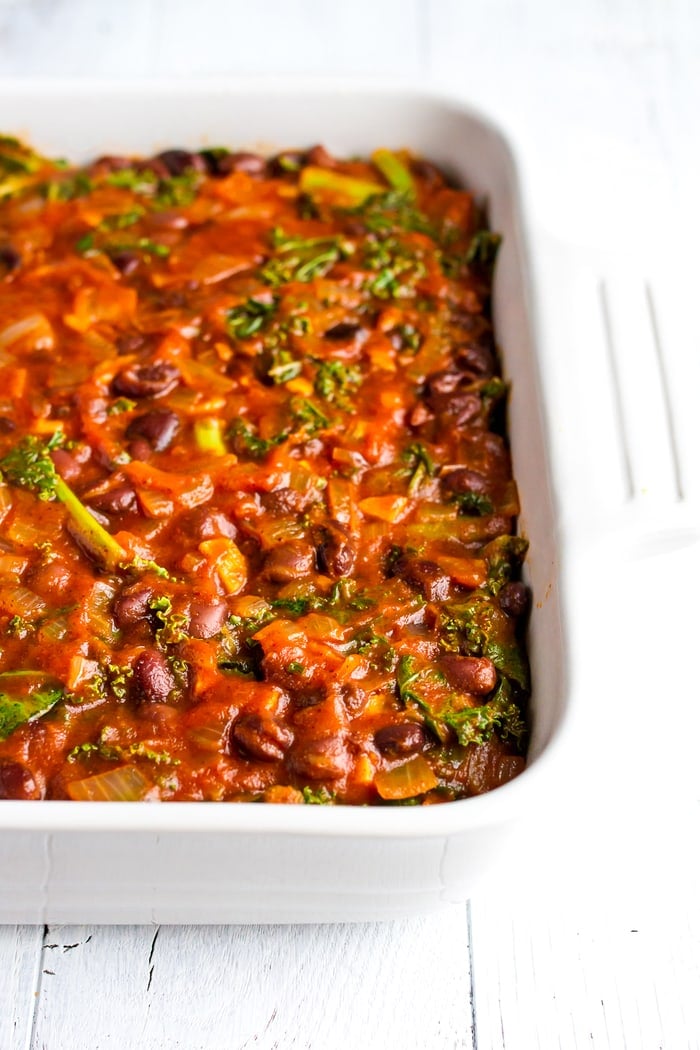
{"x": 665, "y": 392}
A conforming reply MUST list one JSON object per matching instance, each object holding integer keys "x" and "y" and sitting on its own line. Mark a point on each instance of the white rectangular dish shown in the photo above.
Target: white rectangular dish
{"x": 209, "y": 862}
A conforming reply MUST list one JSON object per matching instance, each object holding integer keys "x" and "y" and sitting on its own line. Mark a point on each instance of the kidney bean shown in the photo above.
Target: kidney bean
{"x": 462, "y": 480}
{"x": 130, "y": 342}
{"x": 289, "y": 561}
{"x": 153, "y": 681}
{"x": 286, "y": 501}
{"x": 428, "y": 173}
{"x": 158, "y": 428}
{"x": 7, "y": 425}
{"x": 132, "y": 605}
{"x": 178, "y": 161}
{"x": 321, "y": 158}
{"x": 325, "y": 758}
{"x": 207, "y": 523}
{"x": 477, "y": 359}
{"x": 341, "y": 332}
{"x": 17, "y": 782}
{"x": 335, "y": 550}
{"x": 10, "y": 258}
{"x": 288, "y": 162}
{"x": 514, "y": 598}
{"x": 126, "y": 262}
{"x": 119, "y": 500}
{"x": 206, "y": 618}
{"x": 66, "y": 464}
{"x": 249, "y": 163}
{"x": 425, "y": 576}
{"x": 420, "y": 414}
{"x": 459, "y": 408}
{"x": 108, "y": 164}
{"x": 404, "y": 738}
{"x": 444, "y": 382}
{"x": 261, "y": 738}
{"x": 473, "y": 674}
{"x": 151, "y": 380}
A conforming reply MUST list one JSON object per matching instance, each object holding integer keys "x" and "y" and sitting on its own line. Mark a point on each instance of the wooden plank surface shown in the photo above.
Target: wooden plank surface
{"x": 404, "y": 984}
{"x": 601, "y": 99}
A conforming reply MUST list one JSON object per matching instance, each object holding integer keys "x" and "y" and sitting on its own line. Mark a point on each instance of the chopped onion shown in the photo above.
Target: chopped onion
{"x": 125, "y": 784}
{"x": 412, "y": 778}
{"x": 33, "y": 332}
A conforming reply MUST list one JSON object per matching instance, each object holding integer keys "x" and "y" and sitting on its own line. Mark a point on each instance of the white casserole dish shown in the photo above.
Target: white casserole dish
{"x": 207, "y": 862}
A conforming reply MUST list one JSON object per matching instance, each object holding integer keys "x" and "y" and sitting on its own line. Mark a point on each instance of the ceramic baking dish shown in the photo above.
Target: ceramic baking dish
{"x": 208, "y": 862}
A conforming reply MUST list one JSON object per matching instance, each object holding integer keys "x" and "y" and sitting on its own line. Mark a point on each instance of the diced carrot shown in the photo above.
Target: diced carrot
{"x": 229, "y": 562}
{"x": 80, "y": 670}
{"x": 12, "y": 566}
{"x": 300, "y": 386}
{"x": 187, "y": 490}
{"x": 364, "y": 770}
{"x": 470, "y": 572}
{"x": 154, "y": 504}
{"x": 386, "y": 508}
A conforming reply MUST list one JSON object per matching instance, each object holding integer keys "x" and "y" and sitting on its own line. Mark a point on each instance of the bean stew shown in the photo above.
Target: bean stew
{"x": 257, "y": 515}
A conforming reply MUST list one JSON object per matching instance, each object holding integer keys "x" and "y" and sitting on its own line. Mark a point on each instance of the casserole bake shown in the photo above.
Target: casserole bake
{"x": 257, "y": 506}
{"x": 253, "y": 863}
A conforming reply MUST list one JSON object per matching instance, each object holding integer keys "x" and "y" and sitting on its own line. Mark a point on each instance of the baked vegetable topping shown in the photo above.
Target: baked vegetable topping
{"x": 257, "y": 515}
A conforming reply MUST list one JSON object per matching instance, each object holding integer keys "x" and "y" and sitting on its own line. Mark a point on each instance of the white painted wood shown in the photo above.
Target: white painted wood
{"x": 601, "y": 98}
{"x": 544, "y": 980}
{"x": 20, "y": 953}
{"x": 402, "y": 985}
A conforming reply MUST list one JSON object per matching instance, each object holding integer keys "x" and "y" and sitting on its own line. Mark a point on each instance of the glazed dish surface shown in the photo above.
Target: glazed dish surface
{"x": 257, "y": 536}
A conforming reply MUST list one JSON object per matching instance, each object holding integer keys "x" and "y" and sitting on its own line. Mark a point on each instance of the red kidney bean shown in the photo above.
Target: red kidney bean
{"x": 290, "y": 561}
{"x": 425, "y": 576}
{"x": 473, "y": 674}
{"x": 428, "y": 173}
{"x": 153, "y": 681}
{"x": 132, "y": 605}
{"x": 514, "y": 598}
{"x": 335, "y": 550}
{"x": 108, "y": 164}
{"x": 158, "y": 428}
{"x": 403, "y": 738}
{"x": 341, "y": 332}
{"x": 207, "y": 523}
{"x": 119, "y": 500}
{"x": 249, "y": 163}
{"x": 477, "y": 359}
{"x": 444, "y": 382}
{"x": 420, "y": 414}
{"x": 261, "y": 738}
{"x": 178, "y": 161}
{"x": 126, "y": 262}
{"x": 151, "y": 380}
{"x": 321, "y": 158}
{"x": 325, "y": 758}
{"x": 130, "y": 342}
{"x": 10, "y": 259}
{"x": 67, "y": 465}
{"x": 286, "y": 501}
{"x": 206, "y": 618}
{"x": 462, "y": 481}
{"x": 288, "y": 162}
{"x": 17, "y": 782}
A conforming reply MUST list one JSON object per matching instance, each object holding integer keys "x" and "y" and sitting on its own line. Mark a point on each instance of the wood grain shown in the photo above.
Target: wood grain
{"x": 229, "y": 987}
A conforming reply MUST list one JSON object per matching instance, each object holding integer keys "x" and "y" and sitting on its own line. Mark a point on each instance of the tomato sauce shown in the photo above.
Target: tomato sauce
{"x": 257, "y": 514}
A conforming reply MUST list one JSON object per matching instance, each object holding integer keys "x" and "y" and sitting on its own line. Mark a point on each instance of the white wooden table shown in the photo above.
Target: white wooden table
{"x": 593, "y": 938}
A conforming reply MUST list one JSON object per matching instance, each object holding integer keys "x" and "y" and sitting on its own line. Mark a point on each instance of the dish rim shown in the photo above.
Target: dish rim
{"x": 498, "y": 806}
